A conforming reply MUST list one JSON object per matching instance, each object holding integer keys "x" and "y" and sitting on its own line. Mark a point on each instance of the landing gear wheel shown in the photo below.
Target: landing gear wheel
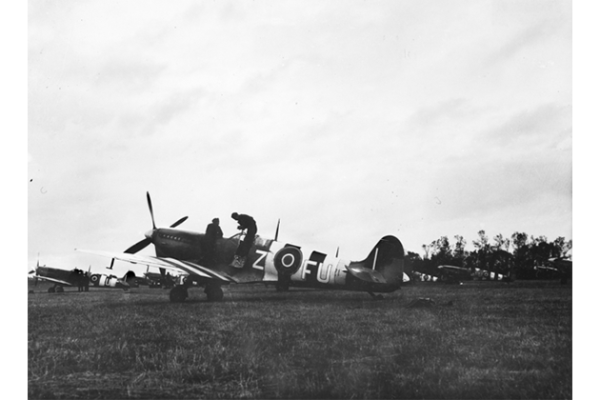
{"x": 59, "y": 289}
{"x": 51, "y": 290}
{"x": 214, "y": 293}
{"x": 178, "y": 294}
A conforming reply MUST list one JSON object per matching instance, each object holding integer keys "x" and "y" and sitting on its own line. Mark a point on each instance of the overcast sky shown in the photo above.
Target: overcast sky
{"x": 346, "y": 120}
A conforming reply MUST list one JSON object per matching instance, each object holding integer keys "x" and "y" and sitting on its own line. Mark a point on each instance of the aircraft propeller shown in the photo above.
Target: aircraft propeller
{"x": 149, "y": 235}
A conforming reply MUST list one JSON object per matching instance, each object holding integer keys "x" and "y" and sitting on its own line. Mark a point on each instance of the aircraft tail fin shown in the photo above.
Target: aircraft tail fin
{"x": 384, "y": 264}
{"x": 130, "y": 278}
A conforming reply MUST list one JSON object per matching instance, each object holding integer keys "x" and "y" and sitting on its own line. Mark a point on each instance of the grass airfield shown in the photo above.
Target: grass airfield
{"x": 481, "y": 340}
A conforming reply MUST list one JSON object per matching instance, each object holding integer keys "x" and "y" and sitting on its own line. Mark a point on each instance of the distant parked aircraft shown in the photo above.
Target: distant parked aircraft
{"x": 79, "y": 278}
{"x": 422, "y": 277}
{"x": 455, "y": 274}
{"x": 563, "y": 266}
{"x": 451, "y": 273}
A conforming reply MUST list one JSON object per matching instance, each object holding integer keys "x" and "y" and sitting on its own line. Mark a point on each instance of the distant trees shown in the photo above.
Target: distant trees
{"x": 527, "y": 252}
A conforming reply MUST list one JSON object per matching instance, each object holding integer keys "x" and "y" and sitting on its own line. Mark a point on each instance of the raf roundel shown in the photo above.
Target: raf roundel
{"x": 288, "y": 260}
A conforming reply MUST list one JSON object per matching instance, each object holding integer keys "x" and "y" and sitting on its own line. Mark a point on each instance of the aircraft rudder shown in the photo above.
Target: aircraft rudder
{"x": 387, "y": 257}
{"x": 388, "y": 248}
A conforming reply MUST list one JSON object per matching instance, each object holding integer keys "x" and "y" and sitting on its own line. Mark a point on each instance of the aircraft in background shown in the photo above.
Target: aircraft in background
{"x": 268, "y": 261}
{"x": 423, "y": 277}
{"x": 561, "y": 266}
{"x": 157, "y": 280}
{"x": 454, "y": 274}
{"x": 79, "y": 278}
{"x": 561, "y": 262}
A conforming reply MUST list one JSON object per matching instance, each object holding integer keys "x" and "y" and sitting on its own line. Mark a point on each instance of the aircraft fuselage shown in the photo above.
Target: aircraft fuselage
{"x": 271, "y": 261}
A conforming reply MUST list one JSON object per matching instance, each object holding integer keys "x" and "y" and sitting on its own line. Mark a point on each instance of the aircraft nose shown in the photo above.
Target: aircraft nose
{"x": 148, "y": 234}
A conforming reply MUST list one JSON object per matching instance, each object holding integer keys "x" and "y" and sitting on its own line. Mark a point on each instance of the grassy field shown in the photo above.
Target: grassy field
{"x": 479, "y": 341}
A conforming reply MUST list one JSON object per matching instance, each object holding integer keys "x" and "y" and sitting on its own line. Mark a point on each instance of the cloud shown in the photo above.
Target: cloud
{"x": 440, "y": 113}
{"x": 520, "y": 41}
{"x": 540, "y": 128}
{"x": 127, "y": 75}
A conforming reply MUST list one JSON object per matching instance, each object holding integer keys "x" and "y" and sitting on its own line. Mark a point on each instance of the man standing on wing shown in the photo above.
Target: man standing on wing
{"x": 244, "y": 222}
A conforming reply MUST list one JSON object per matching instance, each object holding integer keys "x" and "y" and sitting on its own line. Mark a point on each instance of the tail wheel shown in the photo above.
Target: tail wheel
{"x": 178, "y": 294}
{"x": 214, "y": 293}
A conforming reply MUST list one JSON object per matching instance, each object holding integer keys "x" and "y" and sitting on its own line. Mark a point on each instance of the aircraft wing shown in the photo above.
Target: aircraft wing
{"x": 167, "y": 263}
{"x": 45, "y": 278}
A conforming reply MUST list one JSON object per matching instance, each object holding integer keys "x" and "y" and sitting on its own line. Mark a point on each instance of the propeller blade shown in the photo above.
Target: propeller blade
{"x": 277, "y": 230}
{"x": 178, "y": 222}
{"x": 142, "y": 244}
{"x": 150, "y": 207}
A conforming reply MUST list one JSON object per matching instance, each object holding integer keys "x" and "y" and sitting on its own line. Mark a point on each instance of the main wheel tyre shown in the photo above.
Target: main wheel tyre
{"x": 59, "y": 289}
{"x": 51, "y": 290}
{"x": 178, "y": 294}
{"x": 214, "y": 293}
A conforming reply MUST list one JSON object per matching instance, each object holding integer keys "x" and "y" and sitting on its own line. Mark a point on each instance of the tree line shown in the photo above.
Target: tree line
{"x": 517, "y": 255}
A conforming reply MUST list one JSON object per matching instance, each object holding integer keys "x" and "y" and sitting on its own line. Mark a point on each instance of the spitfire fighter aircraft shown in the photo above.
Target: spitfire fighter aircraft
{"x": 269, "y": 261}
{"x": 79, "y": 278}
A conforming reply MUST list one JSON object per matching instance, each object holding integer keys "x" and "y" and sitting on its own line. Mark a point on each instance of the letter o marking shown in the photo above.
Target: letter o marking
{"x": 288, "y": 260}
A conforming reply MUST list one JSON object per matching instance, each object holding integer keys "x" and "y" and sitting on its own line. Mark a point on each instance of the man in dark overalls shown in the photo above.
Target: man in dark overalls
{"x": 213, "y": 233}
{"x": 244, "y": 222}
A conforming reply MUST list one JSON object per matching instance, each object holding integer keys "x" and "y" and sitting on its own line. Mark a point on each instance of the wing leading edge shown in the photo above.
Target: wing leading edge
{"x": 167, "y": 263}
{"x": 45, "y": 278}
